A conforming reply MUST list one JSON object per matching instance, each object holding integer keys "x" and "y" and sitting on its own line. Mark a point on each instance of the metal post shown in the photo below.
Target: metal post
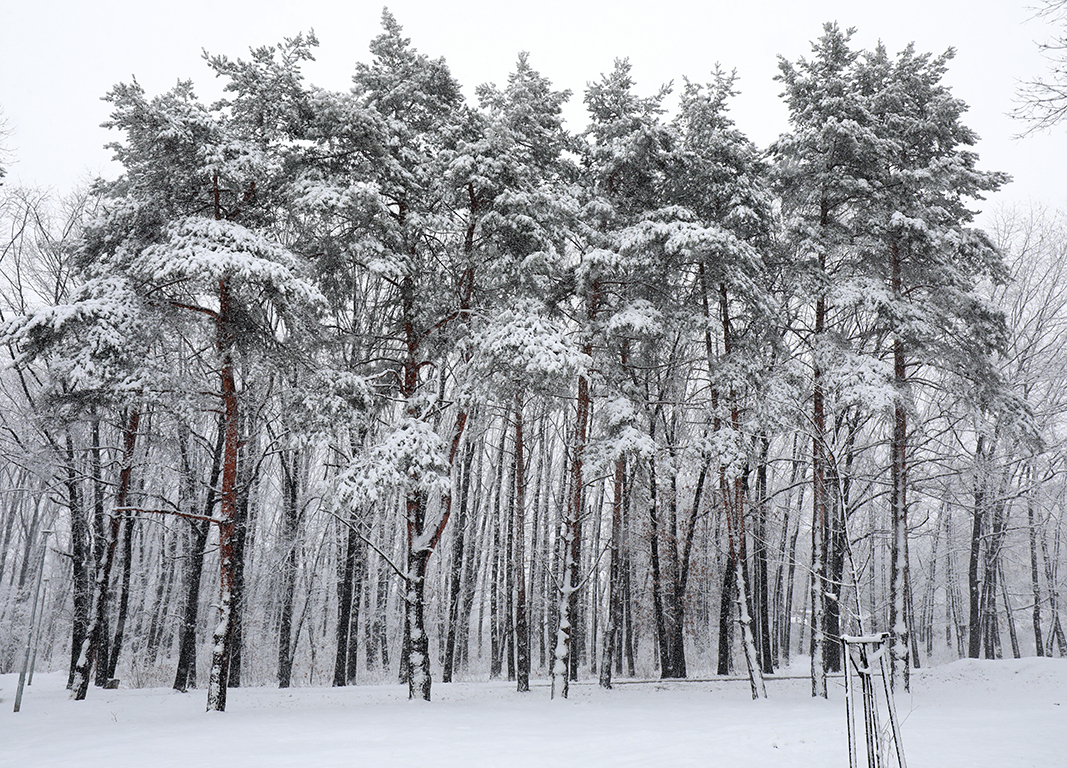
{"x": 37, "y": 641}
{"x": 850, "y": 705}
{"x": 33, "y": 622}
{"x": 860, "y": 663}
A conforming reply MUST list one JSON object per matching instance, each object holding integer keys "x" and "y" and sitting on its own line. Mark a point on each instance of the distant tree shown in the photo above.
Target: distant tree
{"x": 1043, "y": 100}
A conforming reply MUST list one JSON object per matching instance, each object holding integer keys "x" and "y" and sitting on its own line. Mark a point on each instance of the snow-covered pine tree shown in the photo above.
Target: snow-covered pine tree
{"x": 191, "y": 224}
{"x": 825, "y": 166}
{"x": 927, "y": 258}
{"x": 410, "y": 239}
{"x": 624, "y": 147}
{"x": 718, "y": 176}
{"x": 98, "y": 349}
{"x": 520, "y": 211}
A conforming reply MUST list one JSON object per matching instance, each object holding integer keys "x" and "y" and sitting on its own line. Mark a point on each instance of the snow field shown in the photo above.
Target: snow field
{"x": 1010, "y": 714}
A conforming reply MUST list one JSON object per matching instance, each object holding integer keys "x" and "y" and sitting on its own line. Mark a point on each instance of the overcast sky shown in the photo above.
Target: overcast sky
{"x": 58, "y": 57}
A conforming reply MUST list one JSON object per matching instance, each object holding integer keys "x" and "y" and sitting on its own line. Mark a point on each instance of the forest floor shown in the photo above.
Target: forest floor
{"x": 1009, "y": 714}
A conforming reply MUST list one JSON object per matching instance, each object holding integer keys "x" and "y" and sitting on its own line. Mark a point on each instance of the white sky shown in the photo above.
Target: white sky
{"x": 58, "y": 57}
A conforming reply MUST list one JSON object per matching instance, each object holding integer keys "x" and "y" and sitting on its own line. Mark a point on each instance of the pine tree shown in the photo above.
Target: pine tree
{"x": 933, "y": 260}
{"x": 825, "y": 166}
{"x": 189, "y": 226}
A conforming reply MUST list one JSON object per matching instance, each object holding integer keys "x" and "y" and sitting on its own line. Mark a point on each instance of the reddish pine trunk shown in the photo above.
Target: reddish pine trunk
{"x": 223, "y": 633}
{"x": 563, "y": 663}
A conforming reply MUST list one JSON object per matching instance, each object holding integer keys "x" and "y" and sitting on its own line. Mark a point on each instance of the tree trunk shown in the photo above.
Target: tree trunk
{"x": 124, "y": 594}
{"x": 522, "y": 631}
{"x": 81, "y": 559}
{"x": 736, "y": 535}
{"x": 222, "y": 636}
{"x": 1016, "y": 653}
{"x": 98, "y": 627}
{"x": 761, "y": 593}
{"x": 611, "y": 631}
{"x": 1035, "y": 582}
{"x": 898, "y": 565}
{"x": 290, "y": 463}
{"x": 974, "y": 635}
{"x": 100, "y": 538}
{"x": 346, "y": 596}
{"x": 242, "y": 542}
{"x": 562, "y": 666}
{"x": 185, "y": 674}
{"x": 164, "y": 592}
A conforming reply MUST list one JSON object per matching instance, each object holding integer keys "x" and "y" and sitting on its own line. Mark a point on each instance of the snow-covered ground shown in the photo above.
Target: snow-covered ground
{"x": 1009, "y": 714}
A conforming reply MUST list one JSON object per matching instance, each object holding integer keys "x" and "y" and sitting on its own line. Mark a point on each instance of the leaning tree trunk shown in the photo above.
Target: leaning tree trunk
{"x": 98, "y": 627}
{"x": 124, "y": 594}
{"x": 734, "y": 510}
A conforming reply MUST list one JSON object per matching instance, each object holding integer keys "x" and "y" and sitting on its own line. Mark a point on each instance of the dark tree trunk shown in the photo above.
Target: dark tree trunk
{"x": 614, "y": 625}
{"x": 974, "y": 633}
{"x": 761, "y": 592}
{"x": 522, "y": 631}
{"x": 727, "y": 598}
{"x": 290, "y": 463}
{"x": 98, "y": 627}
{"x": 457, "y": 570}
{"x": 81, "y": 559}
{"x": 124, "y": 594}
{"x": 835, "y": 561}
{"x": 673, "y": 592}
{"x": 819, "y": 503}
{"x": 1035, "y": 582}
{"x": 349, "y": 591}
{"x": 658, "y": 616}
{"x": 185, "y": 675}
{"x": 899, "y": 657}
{"x": 100, "y": 530}
{"x": 228, "y": 523}
{"x": 359, "y": 579}
{"x": 495, "y": 620}
{"x": 240, "y": 539}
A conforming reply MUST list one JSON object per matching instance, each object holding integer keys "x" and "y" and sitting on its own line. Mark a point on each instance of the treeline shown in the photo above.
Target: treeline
{"x": 339, "y": 386}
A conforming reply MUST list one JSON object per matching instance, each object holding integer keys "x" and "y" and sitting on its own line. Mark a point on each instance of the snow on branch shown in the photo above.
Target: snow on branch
{"x": 197, "y": 248}
{"x": 412, "y": 457}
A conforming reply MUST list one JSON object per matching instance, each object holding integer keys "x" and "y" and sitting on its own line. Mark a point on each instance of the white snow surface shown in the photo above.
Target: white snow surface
{"x": 1009, "y": 714}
